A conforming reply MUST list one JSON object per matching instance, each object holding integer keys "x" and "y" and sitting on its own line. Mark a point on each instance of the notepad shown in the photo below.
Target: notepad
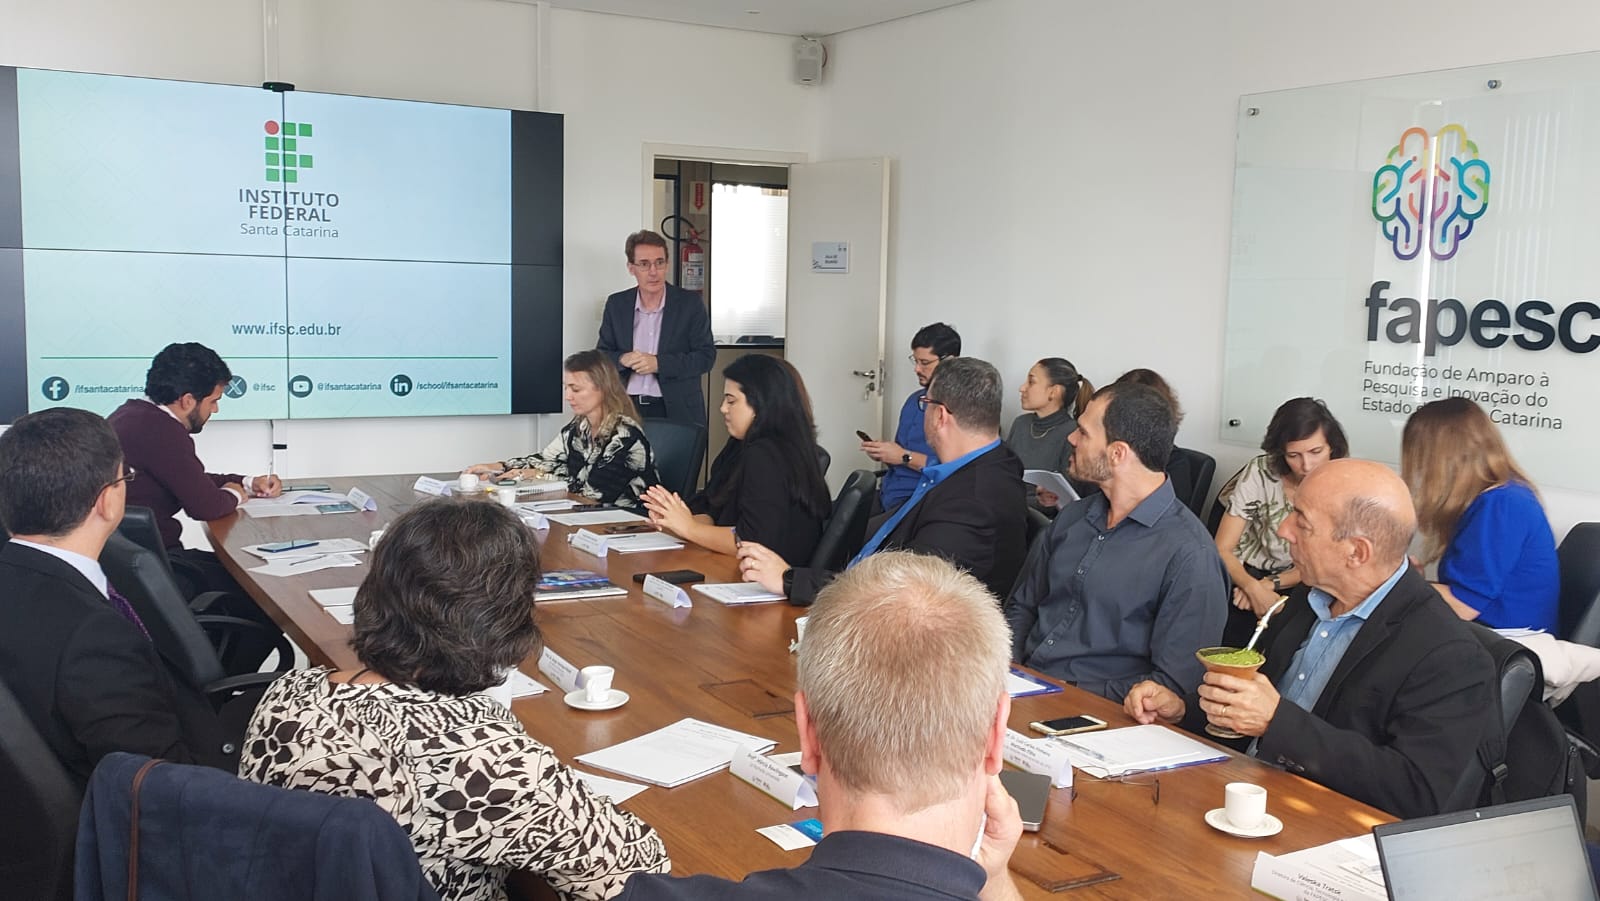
{"x": 595, "y": 517}
{"x": 639, "y": 544}
{"x": 1021, "y": 685}
{"x": 735, "y": 593}
{"x": 1133, "y": 749}
{"x": 675, "y": 754}
{"x": 334, "y": 597}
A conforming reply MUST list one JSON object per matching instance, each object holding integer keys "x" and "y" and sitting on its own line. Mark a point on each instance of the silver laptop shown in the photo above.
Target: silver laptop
{"x": 1523, "y": 850}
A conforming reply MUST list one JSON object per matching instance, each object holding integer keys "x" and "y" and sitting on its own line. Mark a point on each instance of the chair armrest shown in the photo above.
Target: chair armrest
{"x": 219, "y": 625}
{"x": 203, "y": 601}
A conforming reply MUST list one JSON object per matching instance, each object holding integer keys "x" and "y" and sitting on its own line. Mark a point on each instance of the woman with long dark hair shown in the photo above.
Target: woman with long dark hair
{"x": 766, "y": 485}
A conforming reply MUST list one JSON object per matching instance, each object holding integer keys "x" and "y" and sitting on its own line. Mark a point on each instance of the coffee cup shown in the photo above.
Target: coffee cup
{"x": 507, "y": 497}
{"x": 597, "y": 683}
{"x": 468, "y": 481}
{"x": 800, "y": 629}
{"x": 1244, "y": 804}
{"x": 372, "y": 540}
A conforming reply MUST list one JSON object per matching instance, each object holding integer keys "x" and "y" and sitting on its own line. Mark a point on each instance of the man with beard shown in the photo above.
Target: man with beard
{"x": 1127, "y": 584}
{"x": 182, "y": 388}
{"x": 910, "y": 453}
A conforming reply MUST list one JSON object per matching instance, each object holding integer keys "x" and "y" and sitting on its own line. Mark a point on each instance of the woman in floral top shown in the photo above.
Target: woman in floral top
{"x": 602, "y": 452}
{"x": 1301, "y": 436}
{"x": 446, "y": 609}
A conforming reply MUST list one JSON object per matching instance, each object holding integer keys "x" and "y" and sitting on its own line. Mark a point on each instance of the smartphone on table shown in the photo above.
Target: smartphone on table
{"x": 278, "y": 547}
{"x": 1069, "y": 725}
{"x": 675, "y": 576}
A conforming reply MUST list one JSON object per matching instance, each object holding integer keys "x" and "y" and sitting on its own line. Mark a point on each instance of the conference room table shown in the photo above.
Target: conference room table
{"x": 731, "y": 665}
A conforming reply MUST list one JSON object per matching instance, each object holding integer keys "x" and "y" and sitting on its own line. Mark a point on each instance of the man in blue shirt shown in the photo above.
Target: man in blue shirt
{"x": 909, "y": 453}
{"x": 935, "y": 823}
{"x": 1388, "y": 692}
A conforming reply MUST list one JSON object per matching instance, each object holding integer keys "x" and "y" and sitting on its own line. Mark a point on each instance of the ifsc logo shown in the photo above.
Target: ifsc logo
{"x": 285, "y": 157}
{"x": 1430, "y": 191}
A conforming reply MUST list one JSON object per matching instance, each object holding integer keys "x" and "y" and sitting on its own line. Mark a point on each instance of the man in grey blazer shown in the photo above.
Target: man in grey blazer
{"x": 659, "y": 336}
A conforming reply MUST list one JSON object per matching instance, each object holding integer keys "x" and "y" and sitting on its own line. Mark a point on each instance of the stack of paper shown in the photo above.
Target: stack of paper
{"x": 675, "y": 754}
{"x": 568, "y": 584}
{"x": 1021, "y": 685}
{"x": 639, "y": 544}
{"x": 733, "y": 593}
{"x": 581, "y": 517}
{"x": 339, "y": 602}
{"x": 1136, "y": 749}
{"x": 1347, "y": 869}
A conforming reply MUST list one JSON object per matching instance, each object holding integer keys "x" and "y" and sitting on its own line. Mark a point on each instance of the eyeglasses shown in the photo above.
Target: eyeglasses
{"x": 650, "y": 265}
{"x": 128, "y": 474}
{"x": 924, "y": 400}
{"x": 921, "y": 362}
{"x": 1143, "y": 778}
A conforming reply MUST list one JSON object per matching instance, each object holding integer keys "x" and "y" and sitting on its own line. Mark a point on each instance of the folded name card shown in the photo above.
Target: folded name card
{"x": 1039, "y": 755}
{"x": 533, "y": 519}
{"x": 559, "y": 670}
{"x": 429, "y": 485}
{"x": 773, "y": 778}
{"x": 588, "y": 542}
{"x": 361, "y": 500}
{"x": 666, "y": 592}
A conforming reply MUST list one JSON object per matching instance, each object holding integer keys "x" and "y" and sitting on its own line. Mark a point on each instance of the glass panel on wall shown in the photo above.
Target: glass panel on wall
{"x": 750, "y": 263}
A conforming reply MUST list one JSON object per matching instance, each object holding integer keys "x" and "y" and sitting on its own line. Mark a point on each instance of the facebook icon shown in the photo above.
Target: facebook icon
{"x": 56, "y": 388}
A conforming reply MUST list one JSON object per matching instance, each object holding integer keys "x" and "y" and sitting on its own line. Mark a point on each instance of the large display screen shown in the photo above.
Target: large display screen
{"x": 347, "y": 256}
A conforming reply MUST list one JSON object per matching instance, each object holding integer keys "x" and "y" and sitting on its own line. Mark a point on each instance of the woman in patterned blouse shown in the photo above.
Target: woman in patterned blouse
{"x": 1302, "y": 436}
{"x": 602, "y": 452}
{"x": 445, "y": 611}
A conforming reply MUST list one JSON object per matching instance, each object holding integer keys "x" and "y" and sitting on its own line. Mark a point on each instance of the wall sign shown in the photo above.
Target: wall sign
{"x": 830, "y": 256}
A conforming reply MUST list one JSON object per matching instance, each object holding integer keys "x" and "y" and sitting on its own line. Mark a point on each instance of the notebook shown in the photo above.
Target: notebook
{"x": 1526, "y": 849}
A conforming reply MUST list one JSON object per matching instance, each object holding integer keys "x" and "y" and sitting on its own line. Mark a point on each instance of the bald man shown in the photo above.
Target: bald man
{"x": 1372, "y": 686}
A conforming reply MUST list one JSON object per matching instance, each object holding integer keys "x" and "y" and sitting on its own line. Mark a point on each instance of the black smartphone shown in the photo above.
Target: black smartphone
{"x": 278, "y": 547}
{"x": 1069, "y": 725}
{"x": 863, "y": 435}
{"x": 675, "y": 576}
{"x": 632, "y": 528}
{"x": 1032, "y": 792}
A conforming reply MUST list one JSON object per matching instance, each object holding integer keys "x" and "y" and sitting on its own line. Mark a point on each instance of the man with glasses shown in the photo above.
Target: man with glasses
{"x": 73, "y": 650}
{"x": 659, "y": 336}
{"x": 909, "y": 453}
{"x": 970, "y": 510}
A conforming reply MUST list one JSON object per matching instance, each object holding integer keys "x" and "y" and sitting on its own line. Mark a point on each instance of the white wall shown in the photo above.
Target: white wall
{"x": 1070, "y": 165}
{"x": 621, "y": 83}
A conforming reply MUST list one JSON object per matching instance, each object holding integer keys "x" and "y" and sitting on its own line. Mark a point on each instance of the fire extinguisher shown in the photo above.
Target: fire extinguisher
{"x": 693, "y": 257}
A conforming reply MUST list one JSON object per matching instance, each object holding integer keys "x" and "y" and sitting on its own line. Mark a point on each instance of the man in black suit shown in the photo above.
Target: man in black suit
{"x": 1372, "y": 686}
{"x": 659, "y": 336}
{"x": 970, "y": 508}
{"x": 72, "y": 650}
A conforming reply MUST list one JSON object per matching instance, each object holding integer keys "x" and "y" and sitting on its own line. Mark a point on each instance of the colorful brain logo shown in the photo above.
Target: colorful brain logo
{"x": 1430, "y": 191}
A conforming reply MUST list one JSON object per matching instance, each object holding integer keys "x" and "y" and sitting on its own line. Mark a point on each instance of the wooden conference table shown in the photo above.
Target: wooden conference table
{"x": 731, "y": 666}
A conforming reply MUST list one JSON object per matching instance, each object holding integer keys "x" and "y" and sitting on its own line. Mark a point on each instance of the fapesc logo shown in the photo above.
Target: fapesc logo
{"x": 1430, "y": 191}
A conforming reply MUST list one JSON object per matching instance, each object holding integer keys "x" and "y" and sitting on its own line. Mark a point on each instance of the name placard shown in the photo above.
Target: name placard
{"x": 430, "y": 485}
{"x": 361, "y": 500}
{"x": 588, "y": 542}
{"x": 1039, "y": 755}
{"x": 666, "y": 592}
{"x": 773, "y": 778}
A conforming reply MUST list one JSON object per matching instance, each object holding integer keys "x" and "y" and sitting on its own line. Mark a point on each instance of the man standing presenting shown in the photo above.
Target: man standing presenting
{"x": 1127, "y": 584}
{"x": 72, "y": 650}
{"x": 969, "y": 510}
{"x": 659, "y": 336}
{"x": 182, "y": 389}
{"x": 909, "y": 453}
{"x": 911, "y": 803}
{"x": 1372, "y": 685}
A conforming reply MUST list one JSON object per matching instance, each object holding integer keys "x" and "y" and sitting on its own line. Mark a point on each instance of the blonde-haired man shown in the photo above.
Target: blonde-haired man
{"x": 902, "y": 714}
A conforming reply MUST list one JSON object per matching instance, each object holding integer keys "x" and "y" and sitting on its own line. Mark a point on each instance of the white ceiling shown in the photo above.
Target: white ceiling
{"x": 814, "y": 17}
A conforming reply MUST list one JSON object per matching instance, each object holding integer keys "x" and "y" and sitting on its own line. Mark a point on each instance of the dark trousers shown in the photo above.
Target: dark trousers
{"x": 200, "y": 571}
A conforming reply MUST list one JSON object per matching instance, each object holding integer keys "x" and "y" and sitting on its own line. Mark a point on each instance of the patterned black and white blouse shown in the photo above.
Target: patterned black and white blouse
{"x": 476, "y": 793}
{"x": 614, "y": 472}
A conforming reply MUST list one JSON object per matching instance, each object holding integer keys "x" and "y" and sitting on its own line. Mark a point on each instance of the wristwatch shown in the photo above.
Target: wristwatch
{"x": 1277, "y": 583}
{"x": 905, "y": 459}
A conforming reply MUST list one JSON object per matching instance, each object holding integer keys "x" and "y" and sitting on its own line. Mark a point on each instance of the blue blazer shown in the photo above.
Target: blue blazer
{"x": 685, "y": 351}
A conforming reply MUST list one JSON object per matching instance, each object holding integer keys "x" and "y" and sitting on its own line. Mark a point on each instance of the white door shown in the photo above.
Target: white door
{"x": 838, "y": 288}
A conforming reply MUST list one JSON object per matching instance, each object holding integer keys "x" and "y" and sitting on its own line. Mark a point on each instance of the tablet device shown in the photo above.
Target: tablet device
{"x": 1032, "y": 791}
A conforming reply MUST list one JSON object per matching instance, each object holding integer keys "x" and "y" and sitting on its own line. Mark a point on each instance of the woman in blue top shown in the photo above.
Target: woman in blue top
{"x": 1480, "y": 518}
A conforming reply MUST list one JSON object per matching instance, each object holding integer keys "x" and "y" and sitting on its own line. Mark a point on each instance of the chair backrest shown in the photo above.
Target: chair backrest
{"x": 1219, "y": 507}
{"x": 846, "y": 530}
{"x": 1191, "y": 473}
{"x": 40, "y": 816}
{"x": 679, "y": 449}
{"x": 143, "y": 577}
{"x": 824, "y": 459}
{"x": 1037, "y": 523}
{"x": 1580, "y": 584}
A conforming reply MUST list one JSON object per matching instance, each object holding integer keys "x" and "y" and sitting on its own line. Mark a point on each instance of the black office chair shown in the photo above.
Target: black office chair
{"x": 846, "y": 529}
{"x": 40, "y": 822}
{"x": 1219, "y": 507}
{"x": 1036, "y": 525}
{"x": 680, "y": 450}
{"x": 1580, "y": 584}
{"x": 1191, "y": 472}
{"x": 192, "y": 643}
{"x": 139, "y": 525}
{"x": 824, "y": 459}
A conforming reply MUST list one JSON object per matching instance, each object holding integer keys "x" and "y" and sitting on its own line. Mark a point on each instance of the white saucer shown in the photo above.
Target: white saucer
{"x": 1218, "y": 819}
{"x": 577, "y": 699}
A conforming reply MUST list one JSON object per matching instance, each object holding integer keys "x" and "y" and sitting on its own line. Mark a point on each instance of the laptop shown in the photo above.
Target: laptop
{"x": 1526, "y": 849}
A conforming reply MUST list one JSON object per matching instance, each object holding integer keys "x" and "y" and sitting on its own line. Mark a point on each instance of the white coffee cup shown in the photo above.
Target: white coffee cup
{"x": 800, "y": 629}
{"x": 597, "y": 683}
{"x": 372, "y": 540}
{"x": 507, "y": 496}
{"x": 468, "y": 481}
{"x": 1245, "y": 804}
